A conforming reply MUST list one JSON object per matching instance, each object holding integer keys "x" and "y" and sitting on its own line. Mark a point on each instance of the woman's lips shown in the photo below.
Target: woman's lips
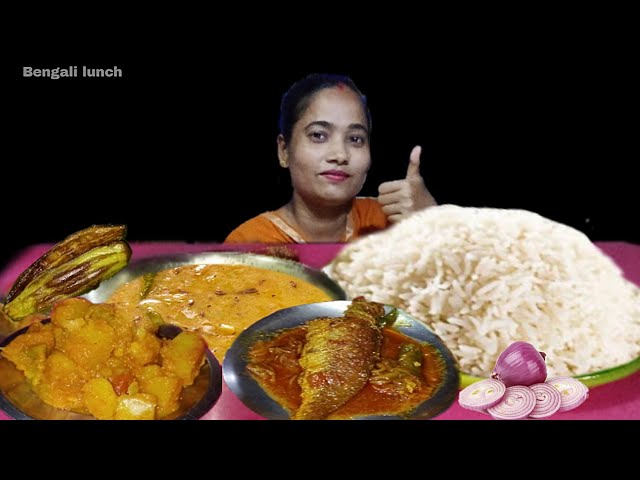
{"x": 335, "y": 175}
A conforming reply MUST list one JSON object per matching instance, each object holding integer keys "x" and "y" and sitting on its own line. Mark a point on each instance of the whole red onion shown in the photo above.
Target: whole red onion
{"x": 520, "y": 364}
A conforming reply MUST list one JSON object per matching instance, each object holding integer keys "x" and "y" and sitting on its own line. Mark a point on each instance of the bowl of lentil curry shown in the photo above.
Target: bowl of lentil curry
{"x": 217, "y": 294}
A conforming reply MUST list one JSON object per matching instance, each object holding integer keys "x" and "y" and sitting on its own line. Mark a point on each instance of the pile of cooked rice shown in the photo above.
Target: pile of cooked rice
{"x": 482, "y": 278}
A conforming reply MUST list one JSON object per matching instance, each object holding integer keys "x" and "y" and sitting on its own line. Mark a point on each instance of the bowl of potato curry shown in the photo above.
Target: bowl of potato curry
{"x": 99, "y": 361}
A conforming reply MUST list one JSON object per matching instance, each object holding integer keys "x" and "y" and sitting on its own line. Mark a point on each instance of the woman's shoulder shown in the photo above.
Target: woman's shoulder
{"x": 246, "y": 230}
{"x": 259, "y": 229}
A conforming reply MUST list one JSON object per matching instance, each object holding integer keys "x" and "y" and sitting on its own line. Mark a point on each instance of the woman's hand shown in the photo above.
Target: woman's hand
{"x": 400, "y": 198}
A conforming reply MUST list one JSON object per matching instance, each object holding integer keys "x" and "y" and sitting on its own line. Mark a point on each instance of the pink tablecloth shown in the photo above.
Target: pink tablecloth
{"x": 615, "y": 401}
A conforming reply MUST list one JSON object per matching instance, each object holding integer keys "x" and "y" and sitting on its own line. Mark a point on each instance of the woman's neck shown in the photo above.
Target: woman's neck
{"x": 317, "y": 224}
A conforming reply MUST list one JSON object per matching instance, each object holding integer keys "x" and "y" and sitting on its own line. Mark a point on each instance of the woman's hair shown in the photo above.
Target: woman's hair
{"x": 296, "y": 100}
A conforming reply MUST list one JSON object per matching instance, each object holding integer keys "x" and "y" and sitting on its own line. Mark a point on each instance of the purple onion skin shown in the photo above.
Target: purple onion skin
{"x": 520, "y": 364}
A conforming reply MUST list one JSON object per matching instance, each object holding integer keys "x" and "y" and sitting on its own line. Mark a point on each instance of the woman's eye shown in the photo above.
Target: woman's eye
{"x": 318, "y": 136}
{"x": 357, "y": 140}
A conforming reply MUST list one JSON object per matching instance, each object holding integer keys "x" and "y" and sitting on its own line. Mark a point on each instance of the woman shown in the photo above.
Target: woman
{"x": 325, "y": 126}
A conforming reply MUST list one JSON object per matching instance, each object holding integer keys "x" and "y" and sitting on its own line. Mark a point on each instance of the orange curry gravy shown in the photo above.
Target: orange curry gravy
{"x": 218, "y": 301}
{"x": 274, "y": 365}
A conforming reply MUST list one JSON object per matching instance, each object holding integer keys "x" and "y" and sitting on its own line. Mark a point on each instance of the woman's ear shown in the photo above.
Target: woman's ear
{"x": 283, "y": 155}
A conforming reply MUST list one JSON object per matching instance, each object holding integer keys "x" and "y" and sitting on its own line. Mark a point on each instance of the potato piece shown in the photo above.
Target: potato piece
{"x": 31, "y": 361}
{"x": 37, "y": 334}
{"x": 29, "y": 351}
{"x": 148, "y": 372}
{"x": 11, "y": 376}
{"x": 115, "y": 366}
{"x": 100, "y": 398}
{"x": 62, "y": 383}
{"x": 134, "y": 387}
{"x": 140, "y": 406}
{"x": 70, "y": 313}
{"x": 123, "y": 325}
{"x": 183, "y": 356}
{"x": 144, "y": 350}
{"x": 91, "y": 345}
{"x": 166, "y": 389}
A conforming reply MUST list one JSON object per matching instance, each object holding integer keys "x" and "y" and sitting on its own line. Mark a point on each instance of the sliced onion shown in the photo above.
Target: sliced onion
{"x": 548, "y": 400}
{"x": 573, "y": 392}
{"x": 518, "y": 402}
{"x": 520, "y": 364}
{"x": 481, "y": 395}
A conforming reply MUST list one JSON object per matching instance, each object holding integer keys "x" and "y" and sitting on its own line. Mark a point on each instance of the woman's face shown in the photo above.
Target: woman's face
{"x": 328, "y": 155}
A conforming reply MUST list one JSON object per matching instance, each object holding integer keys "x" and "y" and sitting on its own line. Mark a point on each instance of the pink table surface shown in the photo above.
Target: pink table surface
{"x": 619, "y": 400}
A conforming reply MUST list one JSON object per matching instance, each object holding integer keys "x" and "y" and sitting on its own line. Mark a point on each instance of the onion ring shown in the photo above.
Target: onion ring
{"x": 548, "y": 400}
{"x": 573, "y": 392}
{"x": 518, "y": 402}
{"x": 482, "y": 395}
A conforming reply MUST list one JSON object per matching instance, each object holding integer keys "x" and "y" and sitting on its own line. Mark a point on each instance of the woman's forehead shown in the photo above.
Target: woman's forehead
{"x": 339, "y": 106}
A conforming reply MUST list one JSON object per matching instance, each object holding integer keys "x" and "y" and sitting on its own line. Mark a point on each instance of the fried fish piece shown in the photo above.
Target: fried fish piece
{"x": 338, "y": 357}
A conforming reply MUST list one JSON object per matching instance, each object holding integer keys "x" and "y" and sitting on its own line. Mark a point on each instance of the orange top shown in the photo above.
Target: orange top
{"x": 366, "y": 216}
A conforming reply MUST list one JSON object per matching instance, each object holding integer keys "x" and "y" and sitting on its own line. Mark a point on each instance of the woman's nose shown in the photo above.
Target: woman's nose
{"x": 340, "y": 157}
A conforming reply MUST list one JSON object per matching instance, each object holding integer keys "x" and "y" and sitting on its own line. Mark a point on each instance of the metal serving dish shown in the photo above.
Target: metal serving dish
{"x": 242, "y": 384}
{"x": 203, "y": 394}
{"x": 157, "y": 264}
{"x": 20, "y": 402}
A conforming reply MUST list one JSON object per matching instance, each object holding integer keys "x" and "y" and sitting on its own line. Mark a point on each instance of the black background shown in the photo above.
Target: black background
{"x": 183, "y": 146}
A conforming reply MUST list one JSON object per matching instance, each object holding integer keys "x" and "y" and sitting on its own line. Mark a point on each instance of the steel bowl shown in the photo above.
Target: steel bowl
{"x": 20, "y": 402}
{"x": 165, "y": 262}
{"x": 242, "y": 384}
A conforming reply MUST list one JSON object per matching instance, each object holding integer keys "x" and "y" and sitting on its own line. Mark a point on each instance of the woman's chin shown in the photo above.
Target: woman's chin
{"x": 337, "y": 197}
{"x": 336, "y": 202}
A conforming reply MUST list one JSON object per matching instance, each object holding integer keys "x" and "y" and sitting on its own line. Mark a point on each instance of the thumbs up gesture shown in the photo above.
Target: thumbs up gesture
{"x": 400, "y": 198}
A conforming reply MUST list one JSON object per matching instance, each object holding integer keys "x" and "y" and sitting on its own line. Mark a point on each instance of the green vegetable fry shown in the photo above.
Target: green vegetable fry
{"x": 71, "y": 247}
{"x": 388, "y": 319}
{"x": 411, "y": 358}
{"x": 72, "y": 267}
{"x": 147, "y": 283}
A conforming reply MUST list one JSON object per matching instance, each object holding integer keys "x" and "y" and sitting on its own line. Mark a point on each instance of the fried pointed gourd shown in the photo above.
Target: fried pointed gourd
{"x": 338, "y": 357}
{"x": 71, "y": 247}
{"x": 72, "y": 267}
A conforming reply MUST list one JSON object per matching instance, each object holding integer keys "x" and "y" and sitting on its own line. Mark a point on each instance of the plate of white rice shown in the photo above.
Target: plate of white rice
{"x": 482, "y": 278}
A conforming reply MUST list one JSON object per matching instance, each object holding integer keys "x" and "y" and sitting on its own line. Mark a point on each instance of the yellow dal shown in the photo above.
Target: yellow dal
{"x": 218, "y": 301}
